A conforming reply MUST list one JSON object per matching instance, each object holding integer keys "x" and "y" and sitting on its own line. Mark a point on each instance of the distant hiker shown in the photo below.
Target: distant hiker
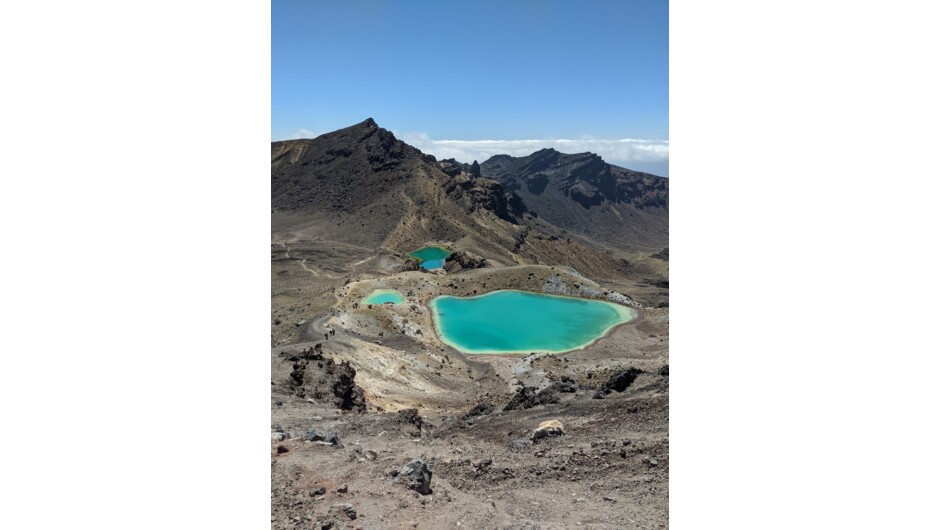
{"x": 326, "y": 336}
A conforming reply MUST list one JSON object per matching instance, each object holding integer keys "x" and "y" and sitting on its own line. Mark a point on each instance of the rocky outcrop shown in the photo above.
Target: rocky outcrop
{"x": 527, "y": 397}
{"x": 319, "y": 377}
{"x": 486, "y": 194}
{"x": 348, "y": 395}
{"x": 480, "y": 409}
{"x": 411, "y": 421}
{"x": 410, "y": 264}
{"x": 619, "y": 382}
{"x": 452, "y": 167}
{"x": 463, "y": 260}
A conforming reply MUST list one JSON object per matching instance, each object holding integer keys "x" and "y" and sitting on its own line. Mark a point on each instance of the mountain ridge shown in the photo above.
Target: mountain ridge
{"x": 364, "y": 186}
{"x": 585, "y": 195}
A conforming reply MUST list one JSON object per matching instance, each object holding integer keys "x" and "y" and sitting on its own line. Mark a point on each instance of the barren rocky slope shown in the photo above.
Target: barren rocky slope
{"x": 377, "y": 424}
{"x": 585, "y": 195}
{"x": 362, "y": 186}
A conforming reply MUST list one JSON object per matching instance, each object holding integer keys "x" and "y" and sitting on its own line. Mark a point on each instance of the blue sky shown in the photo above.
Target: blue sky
{"x": 470, "y": 79}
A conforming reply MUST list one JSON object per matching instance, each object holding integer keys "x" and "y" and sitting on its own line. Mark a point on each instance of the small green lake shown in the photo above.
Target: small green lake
{"x": 522, "y": 322}
{"x": 384, "y": 296}
{"x": 430, "y": 257}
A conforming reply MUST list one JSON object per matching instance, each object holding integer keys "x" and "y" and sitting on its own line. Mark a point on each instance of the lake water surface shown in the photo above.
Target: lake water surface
{"x": 382, "y": 296}
{"x": 430, "y": 257}
{"x": 522, "y": 322}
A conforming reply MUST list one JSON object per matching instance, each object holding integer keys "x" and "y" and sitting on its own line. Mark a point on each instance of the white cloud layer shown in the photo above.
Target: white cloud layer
{"x": 631, "y": 153}
{"x": 304, "y": 133}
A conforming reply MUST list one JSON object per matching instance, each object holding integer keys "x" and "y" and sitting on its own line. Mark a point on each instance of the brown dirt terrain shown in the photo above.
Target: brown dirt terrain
{"x": 359, "y": 391}
{"x": 609, "y": 469}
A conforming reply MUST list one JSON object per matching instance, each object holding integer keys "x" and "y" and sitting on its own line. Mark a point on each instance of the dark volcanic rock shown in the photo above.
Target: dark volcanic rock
{"x": 618, "y": 382}
{"x": 349, "y": 396}
{"x": 412, "y": 419}
{"x": 480, "y": 409}
{"x": 344, "y": 508}
{"x": 416, "y": 475}
{"x": 621, "y": 381}
{"x": 565, "y": 386}
{"x": 476, "y": 192}
{"x": 463, "y": 260}
{"x": 583, "y": 194}
{"x": 355, "y": 178}
{"x": 475, "y": 169}
{"x": 410, "y": 264}
{"x": 332, "y": 438}
{"x": 321, "y": 377}
{"x": 314, "y": 435}
{"x": 527, "y": 397}
{"x": 452, "y": 167}
{"x": 297, "y": 375}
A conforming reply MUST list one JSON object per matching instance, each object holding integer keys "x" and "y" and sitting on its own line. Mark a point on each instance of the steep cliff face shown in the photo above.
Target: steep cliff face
{"x": 583, "y": 194}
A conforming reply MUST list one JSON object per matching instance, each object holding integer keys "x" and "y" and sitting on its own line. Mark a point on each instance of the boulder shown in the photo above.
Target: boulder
{"x": 314, "y": 435}
{"x": 548, "y": 428}
{"x": 332, "y": 438}
{"x": 344, "y": 508}
{"x": 416, "y": 475}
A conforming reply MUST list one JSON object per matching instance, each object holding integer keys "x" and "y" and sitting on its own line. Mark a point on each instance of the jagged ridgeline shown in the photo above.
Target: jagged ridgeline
{"x": 380, "y": 191}
{"x": 363, "y": 186}
{"x": 585, "y": 195}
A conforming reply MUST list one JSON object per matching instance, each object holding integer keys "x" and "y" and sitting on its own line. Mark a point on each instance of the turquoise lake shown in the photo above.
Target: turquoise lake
{"x": 523, "y": 322}
{"x": 430, "y": 257}
{"x": 382, "y": 296}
